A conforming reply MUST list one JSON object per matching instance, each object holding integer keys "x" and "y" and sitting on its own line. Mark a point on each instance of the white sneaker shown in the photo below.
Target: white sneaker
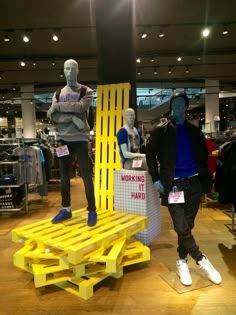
{"x": 212, "y": 274}
{"x": 183, "y": 272}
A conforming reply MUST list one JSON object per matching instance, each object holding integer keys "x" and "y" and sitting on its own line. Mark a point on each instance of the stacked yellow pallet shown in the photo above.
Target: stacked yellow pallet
{"x": 76, "y": 257}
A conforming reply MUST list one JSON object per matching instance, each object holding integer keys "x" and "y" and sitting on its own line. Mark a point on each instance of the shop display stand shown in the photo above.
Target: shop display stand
{"x": 136, "y": 194}
{"x": 20, "y": 180}
{"x": 72, "y": 255}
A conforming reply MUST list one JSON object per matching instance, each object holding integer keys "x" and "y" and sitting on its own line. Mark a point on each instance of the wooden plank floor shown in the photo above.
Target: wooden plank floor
{"x": 141, "y": 290}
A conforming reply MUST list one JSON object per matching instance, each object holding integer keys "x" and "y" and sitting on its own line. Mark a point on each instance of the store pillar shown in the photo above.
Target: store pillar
{"x": 28, "y": 111}
{"x": 212, "y": 105}
{"x": 115, "y": 25}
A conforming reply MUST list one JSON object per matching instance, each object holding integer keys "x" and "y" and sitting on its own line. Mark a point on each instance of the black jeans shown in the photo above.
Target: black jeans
{"x": 183, "y": 216}
{"x": 77, "y": 150}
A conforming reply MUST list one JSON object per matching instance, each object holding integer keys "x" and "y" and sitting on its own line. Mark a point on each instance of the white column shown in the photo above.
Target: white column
{"x": 28, "y": 111}
{"x": 212, "y": 103}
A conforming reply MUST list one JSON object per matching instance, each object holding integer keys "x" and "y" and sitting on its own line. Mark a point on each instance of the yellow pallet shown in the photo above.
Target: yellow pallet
{"x": 72, "y": 255}
{"x": 112, "y": 100}
{"x": 84, "y": 286}
{"x": 135, "y": 253}
{"x": 47, "y": 274}
{"x": 80, "y": 242}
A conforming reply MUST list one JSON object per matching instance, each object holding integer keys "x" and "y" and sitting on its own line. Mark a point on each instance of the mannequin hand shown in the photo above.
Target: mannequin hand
{"x": 159, "y": 187}
{"x": 49, "y": 112}
{"x": 78, "y": 122}
{"x": 140, "y": 155}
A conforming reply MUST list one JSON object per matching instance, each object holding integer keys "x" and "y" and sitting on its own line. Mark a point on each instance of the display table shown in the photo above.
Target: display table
{"x": 135, "y": 193}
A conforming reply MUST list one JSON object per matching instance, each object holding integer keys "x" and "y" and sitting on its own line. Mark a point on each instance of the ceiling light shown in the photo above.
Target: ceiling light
{"x": 169, "y": 70}
{"x": 152, "y": 59}
{"x": 225, "y": 31}
{"x": 155, "y": 71}
{"x": 26, "y": 38}
{"x": 144, "y": 34}
{"x": 53, "y": 63}
{"x": 22, "y": 63}
{"x": 61, "y": 74}
{"x": 55, "y": 37}
{"x": 179, "y": 59}
{"x": 161, "y": 33}
{"x": 6, "y": 38}
{"x": 187, "y": 70}
{"x": 139, "y": 72}
{"x": 34, "y": 63}
{"x": 206, "y": 32}
{"x": 138, "y": 60}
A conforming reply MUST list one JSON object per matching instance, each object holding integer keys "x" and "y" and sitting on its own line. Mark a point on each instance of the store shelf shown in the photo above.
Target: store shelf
{"x": 13, "y": 189}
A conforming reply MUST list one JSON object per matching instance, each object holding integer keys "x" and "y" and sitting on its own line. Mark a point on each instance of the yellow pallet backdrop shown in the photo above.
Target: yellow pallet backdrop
{"x": 112, "y": 100}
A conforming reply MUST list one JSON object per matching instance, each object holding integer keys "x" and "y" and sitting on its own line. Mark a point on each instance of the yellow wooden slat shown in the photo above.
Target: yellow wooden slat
{"x": 111, "y": 102}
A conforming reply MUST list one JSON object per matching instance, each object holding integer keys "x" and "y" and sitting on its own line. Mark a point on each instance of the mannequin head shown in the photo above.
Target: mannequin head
{"x": 71, "y": 71}
{"x": 178, "y": 106}
{"x": 129, "y": 117}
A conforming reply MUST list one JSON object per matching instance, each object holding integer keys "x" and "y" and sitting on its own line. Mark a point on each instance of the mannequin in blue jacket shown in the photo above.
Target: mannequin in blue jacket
{"x": 177, "y": 160}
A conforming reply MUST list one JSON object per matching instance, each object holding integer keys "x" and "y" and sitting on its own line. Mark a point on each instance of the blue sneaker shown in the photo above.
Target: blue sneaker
{"x": 92, "y": 218}
{"x": 62, "y": 215}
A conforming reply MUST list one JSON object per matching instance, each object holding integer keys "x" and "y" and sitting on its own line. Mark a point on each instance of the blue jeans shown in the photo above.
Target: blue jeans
{"x": 184, "y": 214}
{"x": 80, "y": 151}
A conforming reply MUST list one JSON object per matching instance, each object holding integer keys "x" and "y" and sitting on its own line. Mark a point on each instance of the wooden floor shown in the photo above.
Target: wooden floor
{"x": 142, "y": 289}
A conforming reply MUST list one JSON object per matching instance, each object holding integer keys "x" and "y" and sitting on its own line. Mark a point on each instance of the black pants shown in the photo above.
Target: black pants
{"x": 80, "y": 151}
{"x": 183, "y": 216}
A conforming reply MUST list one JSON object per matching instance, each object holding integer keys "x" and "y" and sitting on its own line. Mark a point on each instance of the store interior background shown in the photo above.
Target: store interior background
{"x": 37, "y": 68}
{"x": 172, "y": 57}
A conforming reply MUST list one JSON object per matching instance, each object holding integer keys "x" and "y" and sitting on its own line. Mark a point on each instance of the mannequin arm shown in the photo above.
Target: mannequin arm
{"x": 129, "y": 155}
{"x": 75, "y": 106}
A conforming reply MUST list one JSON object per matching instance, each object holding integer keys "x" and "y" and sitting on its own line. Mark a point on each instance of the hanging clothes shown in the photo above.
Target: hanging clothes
{"x": 226, "y": 173}
{"x": 211, "y": 146}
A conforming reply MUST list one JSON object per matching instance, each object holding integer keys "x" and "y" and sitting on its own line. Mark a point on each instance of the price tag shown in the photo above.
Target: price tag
{"x": 176, "y": 197}
{"x": 137, "y": 163}
{"x": 62, "y": 151}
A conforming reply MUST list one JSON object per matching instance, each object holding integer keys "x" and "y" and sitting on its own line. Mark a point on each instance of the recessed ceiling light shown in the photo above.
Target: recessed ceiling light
{"x": 6, "y": 38}
{"x": 144, "y": 34}
{"x": 206, "y": 32}
{"x": 55, "y": 37}
{"x": 26, "y": 38}
{"x": 161, "y": 33}
{"x": 225, "y": 31}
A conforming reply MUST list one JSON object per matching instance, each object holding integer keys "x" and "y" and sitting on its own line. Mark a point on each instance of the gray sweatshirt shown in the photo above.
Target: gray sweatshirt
{"x": 69, "y": 107}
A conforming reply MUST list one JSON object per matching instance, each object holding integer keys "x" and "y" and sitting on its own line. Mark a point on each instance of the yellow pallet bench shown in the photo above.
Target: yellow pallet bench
{"x": 79, "y": 243}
